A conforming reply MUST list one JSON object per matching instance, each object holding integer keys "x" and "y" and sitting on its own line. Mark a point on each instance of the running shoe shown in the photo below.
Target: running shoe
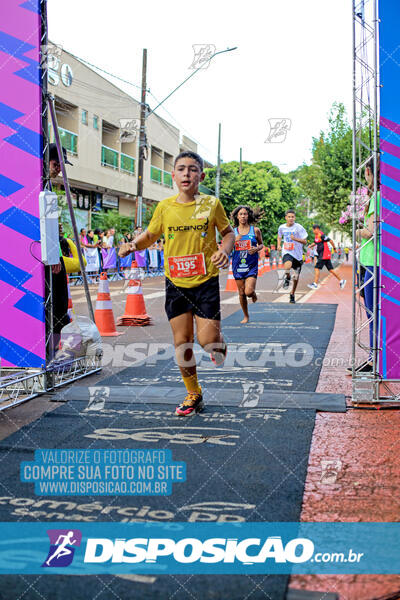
{"x": 218, "y": 358}
{"x": 342, "y": 283}
{"x": 286, "y": 282}
{"x": 192, "y": 404}
{"x": 312, "y": 286}
{"x": 292, "y": 300}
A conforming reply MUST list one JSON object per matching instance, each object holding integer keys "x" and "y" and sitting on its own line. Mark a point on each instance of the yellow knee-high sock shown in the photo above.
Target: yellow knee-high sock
{"x": 192, "y": 383}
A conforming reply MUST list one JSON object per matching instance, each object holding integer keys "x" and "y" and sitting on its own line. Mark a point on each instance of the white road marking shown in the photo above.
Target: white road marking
{"x": 137, "y": 578}
{"x": 154, "y": 295}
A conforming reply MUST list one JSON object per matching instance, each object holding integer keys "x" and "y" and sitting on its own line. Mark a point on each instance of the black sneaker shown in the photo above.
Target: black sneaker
{"x": 292, "y": 300}
{"x": 286, "y": 282}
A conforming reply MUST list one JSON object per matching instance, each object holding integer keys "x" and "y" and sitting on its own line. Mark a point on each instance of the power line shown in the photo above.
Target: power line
{"x": 165, "y": 124}
{"x": 83, "y": 60}
{"x": 181, "y": 127}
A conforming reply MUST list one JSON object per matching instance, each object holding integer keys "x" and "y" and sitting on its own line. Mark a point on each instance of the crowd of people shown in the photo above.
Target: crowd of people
{"x": 100, "y": 249}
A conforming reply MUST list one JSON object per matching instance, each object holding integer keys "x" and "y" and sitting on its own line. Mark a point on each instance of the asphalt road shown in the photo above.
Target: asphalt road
{"x": 158, "y": 333}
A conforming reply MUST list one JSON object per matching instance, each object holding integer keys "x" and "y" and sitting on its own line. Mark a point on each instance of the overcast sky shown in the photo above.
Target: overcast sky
{"x": 294, "y": 59}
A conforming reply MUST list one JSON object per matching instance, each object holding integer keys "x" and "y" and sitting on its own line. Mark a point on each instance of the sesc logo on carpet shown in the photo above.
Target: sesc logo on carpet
{"x": 61, "y": 551}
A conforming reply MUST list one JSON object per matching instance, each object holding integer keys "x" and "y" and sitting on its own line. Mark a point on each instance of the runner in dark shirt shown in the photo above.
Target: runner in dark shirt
{"x": 322, "y": 242}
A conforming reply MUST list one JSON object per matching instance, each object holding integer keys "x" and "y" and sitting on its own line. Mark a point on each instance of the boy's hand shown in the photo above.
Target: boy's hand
{"x": 220, "y": 259}
{"x": 126, "y": 248}
{"x": 252, "y": 250}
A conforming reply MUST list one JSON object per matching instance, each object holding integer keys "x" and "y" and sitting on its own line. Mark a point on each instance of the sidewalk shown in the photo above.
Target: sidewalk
{"x": 362, "y": 446}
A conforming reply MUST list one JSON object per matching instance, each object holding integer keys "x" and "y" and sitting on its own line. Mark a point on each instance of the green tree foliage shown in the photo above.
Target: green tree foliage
{"x": 327, "y": 182}
{"x": 112, "y": 218}
{"x": 149, "y": 213}
{"x": 260, "y": 184}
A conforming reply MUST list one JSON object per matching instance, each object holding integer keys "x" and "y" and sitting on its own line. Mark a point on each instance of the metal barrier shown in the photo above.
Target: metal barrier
{"x": 117, "y": 275}
{"x": 18, "y": 386}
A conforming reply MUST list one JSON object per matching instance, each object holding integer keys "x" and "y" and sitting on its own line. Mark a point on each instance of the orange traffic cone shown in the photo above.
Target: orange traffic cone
{"x": 230, "y": 282}
{"x": 261, "y": 266}
{"x": 135, "y": 309}
{"x": 103, "y": 315}
{"x": 133, "y": 272}
{"x": 70, "y": 307}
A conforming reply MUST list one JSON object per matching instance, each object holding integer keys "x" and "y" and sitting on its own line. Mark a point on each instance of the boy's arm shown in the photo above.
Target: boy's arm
{"x": 299, "y": 240}
{"x": 142, "y": 241}
{"x": 220, "y": 258}
{"x": 278, "y": 244}
{"x": 332, "y": 245}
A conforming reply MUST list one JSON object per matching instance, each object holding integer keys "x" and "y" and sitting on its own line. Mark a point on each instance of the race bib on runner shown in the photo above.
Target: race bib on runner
{"x": 288, "y": 245}
{"x": 187, "y": 266}
{"x": 243, "y": 245}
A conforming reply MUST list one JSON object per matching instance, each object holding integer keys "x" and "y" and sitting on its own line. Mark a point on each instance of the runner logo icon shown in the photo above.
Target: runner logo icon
{"x": 61, "y": 551}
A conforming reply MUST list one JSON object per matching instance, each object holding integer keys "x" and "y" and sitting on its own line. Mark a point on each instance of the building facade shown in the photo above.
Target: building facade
{"x": 98, "y": 124}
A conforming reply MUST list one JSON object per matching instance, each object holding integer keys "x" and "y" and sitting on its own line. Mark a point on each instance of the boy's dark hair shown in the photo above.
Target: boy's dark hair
{"x": 316, "y": 226}
{"x": 254, "y": 214}
{"x": 190, "y": 154}
{"x": 289, "y": 211}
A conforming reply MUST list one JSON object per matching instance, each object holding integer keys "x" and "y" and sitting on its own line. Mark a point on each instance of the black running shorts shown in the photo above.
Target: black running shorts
{"x": 202, "y": 300}
{"x": 296, "y": 264}
{"x": 324, "y": 262}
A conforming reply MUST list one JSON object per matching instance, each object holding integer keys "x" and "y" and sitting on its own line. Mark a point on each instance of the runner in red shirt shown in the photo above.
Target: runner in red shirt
{"x": 324, "y": 255}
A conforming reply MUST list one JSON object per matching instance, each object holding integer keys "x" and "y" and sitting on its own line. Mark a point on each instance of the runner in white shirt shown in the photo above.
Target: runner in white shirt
{"x": 294, "y": 238}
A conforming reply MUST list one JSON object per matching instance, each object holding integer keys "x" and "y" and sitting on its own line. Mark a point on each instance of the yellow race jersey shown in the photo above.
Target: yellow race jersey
{"x": 189, "y": 229}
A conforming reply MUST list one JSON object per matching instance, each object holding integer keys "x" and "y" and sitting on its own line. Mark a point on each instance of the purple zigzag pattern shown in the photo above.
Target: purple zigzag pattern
{"x": 22, "y": 333}
{"x": 390, "y": 264}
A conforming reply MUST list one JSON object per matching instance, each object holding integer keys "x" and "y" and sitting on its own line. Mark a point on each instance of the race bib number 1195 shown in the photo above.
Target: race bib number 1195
{"x": 187, "y": 266}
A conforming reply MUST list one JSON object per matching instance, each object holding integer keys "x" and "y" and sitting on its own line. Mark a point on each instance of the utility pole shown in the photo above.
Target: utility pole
{"x": 240, "y": 162}
{"x": 142, "y": 144}
{"x": 218, "y": 176}
{"x": 142, "y": 136}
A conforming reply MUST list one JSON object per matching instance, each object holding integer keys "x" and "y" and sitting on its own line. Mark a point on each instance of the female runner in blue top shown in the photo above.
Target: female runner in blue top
{"x": 248, "y": 243}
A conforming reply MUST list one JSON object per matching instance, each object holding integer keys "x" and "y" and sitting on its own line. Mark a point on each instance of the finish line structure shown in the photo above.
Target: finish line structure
{"x": 25, "y": 283}
{"x": 376, "y": 140}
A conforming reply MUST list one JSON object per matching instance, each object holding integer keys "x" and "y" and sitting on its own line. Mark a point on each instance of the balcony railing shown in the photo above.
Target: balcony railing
{"x": 109, "y": 157}
{"x": 112, "y": 158}
{"x": 167, "y": 179}
{"x": 69, "y": 140}
{"x": 156, "y": 174}
{"x": 162, "y": 177}
{"x": 127, "y": 163}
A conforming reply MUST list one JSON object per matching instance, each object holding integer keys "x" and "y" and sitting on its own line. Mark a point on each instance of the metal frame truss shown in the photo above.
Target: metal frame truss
{"x": 365, "y": 150}
{"x": 366, "y": 112}
{"x": 17, "y": 384}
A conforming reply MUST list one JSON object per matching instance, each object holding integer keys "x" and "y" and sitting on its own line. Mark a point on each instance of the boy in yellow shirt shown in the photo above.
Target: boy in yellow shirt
{"x": 191, "y": 262}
